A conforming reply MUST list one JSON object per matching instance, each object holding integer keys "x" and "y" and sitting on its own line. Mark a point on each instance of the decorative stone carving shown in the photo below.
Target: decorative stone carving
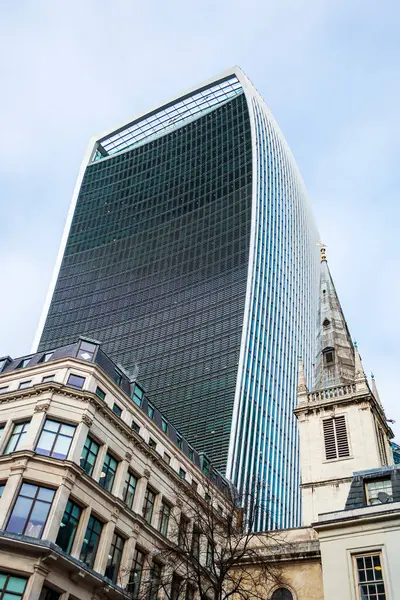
{"x": 87, "y": 420}
{"x": 146, "y": 473}
{"x": 41, "y": 407}
{"x": 128, "y": 456}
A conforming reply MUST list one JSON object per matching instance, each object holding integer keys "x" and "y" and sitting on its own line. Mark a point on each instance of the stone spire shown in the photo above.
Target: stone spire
{"x": 335, "y": 360}
{"x": 374, "y": 389}
{"x": 301, "y": 380}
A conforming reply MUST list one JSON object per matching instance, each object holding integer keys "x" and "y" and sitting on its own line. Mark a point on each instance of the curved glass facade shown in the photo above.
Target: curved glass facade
{"x": 191, "y": 256}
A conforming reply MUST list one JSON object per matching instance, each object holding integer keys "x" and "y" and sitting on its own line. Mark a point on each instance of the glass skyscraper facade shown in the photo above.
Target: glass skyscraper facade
{"x": 190, "y": 253}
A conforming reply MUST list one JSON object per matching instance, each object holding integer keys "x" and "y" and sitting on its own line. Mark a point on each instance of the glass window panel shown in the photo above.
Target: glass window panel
{"x": 37, "y": 520}
{"x": 19, "y": 515}
{"x": 61, "y": 447}
{"x": 51, "y": 425}
{"x": 45, "y": 443}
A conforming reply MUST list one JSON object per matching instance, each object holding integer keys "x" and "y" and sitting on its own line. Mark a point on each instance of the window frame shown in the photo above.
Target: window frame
{"x": 164, "y": 517}
{"x": 57, "y": 435}
{"x": 358, "y": 583}
{"x": 75, "y": 387}
{"x": 137, "y": 567}
{"x": 71, "y": 517}
{"x": 111, "y": 555}
{"x": 8, "y": 576}
{"x": 148, "y": 503}
{"x": 20, "y": 434}
{"x": 106, "y": 469}
{"x": 85, "y": 553}
{"x": 369, "y": 496}
{"x": 89, "y": 452}
{"x": 35, "y": 499}
{"x": 127, "y": 485}
{"x": 324, "y": 427}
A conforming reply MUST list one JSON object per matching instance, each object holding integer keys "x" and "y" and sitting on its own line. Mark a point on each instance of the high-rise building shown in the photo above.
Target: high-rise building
{"x": 190, "y": 251}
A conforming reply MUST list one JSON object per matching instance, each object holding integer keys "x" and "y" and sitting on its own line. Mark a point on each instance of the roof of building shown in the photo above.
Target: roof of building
{"x": 89, "y": 350}
{"x": 357, "y": 497}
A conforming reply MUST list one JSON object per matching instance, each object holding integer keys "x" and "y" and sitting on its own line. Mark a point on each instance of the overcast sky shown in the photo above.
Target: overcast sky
{"x": 329, "y": 71}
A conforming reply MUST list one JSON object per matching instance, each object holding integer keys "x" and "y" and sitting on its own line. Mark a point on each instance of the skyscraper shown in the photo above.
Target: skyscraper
{"x": 190, "y": 252}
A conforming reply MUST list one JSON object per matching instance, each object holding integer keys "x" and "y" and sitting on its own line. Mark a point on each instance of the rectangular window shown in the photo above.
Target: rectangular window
{"x": 2, "y": 487}
{"x": 76, "y": 381}
{"x": 148, "y": 505}
{"x": 167, "y": 458}
{"x": 164, "y": 425}
{"x": 17, "y": 437}
{"x": 150, "y": 411}
{"x": 382, "y": 446}
{"x": 183, "y": 532}
{"x": 69, "y": 524}
{"x": 48, "y": 594}
{"x": 179, "y": 441}
{"x": 136, "y": 573}
{"x": 2, "y": 427}
{"x": 117, "y": 377}
{"x": 335, "y": 437}
{"x": 11, "y": 586}
{"x": 89, "y": 455}
{"x": 209, "y": 555}
{"x": 190, "y": 592}
{"x": 107, "y": 475}
{"x": 99, "y": 392}
{"x": 4, "y": 389}
{"x": 195, "y": 547}
{"x": 117, "y": 409}
{"x": 24, "y": 384}
{"x": 165, "y": 512}
{"x": 24, "y": 362}
{"x": 30, "y": 510}
{"x": 91, "y": 541}
{"x": 46, "y": 357}
{"x": 86, "y": 351}
{"x": 370, "y": 581}
{"x": 48, "y": 378}
{"x": 194, "y": 484}
{"x": 155, "y": 580}
{"x": 152, "y": 443}
{"x": 176, "y": 586}
{"x": 55, "y": 439}
{"x": 182, "y": 473}
{"x": 135, "y": 427}
{"x": 129, "y": 489}
{"x": 114, "y": 558}
{"x": 379, "y": 491}
{"x": 137, "y": 395}
{"x": 191, "y": 453}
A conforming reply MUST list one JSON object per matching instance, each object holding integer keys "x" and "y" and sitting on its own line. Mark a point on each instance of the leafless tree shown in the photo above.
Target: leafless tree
{"x": 210, "y": 551}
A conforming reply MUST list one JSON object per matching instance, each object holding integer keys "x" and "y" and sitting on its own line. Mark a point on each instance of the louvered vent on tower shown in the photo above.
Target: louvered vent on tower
{"x": 335, "y": 437}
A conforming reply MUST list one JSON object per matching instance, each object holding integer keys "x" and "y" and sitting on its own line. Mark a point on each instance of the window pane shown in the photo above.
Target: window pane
{"x": 45, "y": 443}
{"x": 19, "y": 515}
{"x": 61, "y": 447}
{"x": 37, "y": 519}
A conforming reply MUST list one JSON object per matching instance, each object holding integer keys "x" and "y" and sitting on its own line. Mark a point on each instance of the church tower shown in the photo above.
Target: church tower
{"x": 342, "y": 424}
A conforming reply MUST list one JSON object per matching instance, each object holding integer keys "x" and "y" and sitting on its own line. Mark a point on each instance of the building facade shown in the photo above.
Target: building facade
{"x": 92, "y": 478}
{"x": 190, "y": 251}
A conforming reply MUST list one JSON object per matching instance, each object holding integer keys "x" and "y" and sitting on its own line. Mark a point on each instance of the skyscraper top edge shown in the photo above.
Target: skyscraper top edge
{"x": 111, "y": 139}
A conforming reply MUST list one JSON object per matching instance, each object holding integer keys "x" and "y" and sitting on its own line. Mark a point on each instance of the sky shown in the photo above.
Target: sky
{"x": 328, "y": 70}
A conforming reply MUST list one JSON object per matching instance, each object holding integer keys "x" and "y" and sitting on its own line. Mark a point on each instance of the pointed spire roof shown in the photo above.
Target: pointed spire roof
{"x": 301, "y": 381}
{"x": 335, "y": 360}
{"x": 374, "y": 389}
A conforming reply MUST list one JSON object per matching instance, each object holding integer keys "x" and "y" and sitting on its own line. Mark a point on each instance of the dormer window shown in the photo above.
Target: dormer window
{"x": 329, "y": 356}
{"x": 378, "y": 491}
{"x": 86, "y": 351}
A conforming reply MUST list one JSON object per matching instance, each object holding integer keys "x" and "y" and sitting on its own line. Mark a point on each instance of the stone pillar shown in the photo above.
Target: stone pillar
{"x": 120, "y": 475}
{"x": 58, "y": 508}
{"x": 6, "y": 435}
{"x": 80, "y": 533}
{"x": 140, "y": 491}
{"x": 127, "y": 557}
{"x": 35, "y": 426}
{"x": 103, "y": 550}
{"x": 98, "y": 467}
{"x": 156, "y": 511}
{"x": 14, "y": 480}
{"x": 81, "y": 433}
{"x": 35, "y": 582}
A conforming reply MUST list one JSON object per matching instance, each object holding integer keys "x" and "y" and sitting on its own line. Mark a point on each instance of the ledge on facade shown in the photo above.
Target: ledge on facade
{"x": 376, "y": 512}
{"x": 48, "y": 551}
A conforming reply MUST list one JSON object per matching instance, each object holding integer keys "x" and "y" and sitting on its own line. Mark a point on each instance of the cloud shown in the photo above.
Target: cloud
{"x": 328, "y": 70}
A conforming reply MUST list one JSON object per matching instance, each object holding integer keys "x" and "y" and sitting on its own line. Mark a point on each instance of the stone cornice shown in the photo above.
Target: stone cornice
{"x": 335, "y": 481}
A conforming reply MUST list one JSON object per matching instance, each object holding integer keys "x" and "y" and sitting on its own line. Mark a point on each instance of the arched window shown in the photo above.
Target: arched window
{"x": 282, "y": 594}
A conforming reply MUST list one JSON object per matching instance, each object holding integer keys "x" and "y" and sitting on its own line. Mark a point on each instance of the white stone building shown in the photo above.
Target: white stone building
{"x": 90, "y": 474}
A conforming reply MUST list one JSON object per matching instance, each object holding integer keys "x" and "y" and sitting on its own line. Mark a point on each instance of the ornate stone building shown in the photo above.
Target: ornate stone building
{"x": 90, "y": 476}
